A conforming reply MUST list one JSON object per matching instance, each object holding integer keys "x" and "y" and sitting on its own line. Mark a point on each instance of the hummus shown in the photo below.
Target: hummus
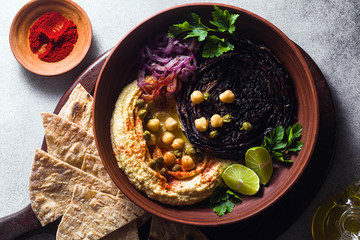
{"x": 133, "y": 156}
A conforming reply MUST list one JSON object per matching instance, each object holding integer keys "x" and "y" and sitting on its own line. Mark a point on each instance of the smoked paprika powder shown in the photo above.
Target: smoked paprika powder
{"x": 52, "y": 37}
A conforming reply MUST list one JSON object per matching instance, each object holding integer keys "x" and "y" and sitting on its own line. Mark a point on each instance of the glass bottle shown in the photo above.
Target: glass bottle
{"x": 339, "y": 217}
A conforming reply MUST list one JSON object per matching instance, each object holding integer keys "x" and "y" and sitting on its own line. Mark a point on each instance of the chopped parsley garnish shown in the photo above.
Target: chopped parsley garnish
{"x": 281, "y": 143}
{"x": 214, "y": 45}
{"x": 223, "y": 200}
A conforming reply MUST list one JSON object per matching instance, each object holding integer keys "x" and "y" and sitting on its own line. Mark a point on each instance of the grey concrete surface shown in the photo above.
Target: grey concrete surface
{"x": 328, "y": 30}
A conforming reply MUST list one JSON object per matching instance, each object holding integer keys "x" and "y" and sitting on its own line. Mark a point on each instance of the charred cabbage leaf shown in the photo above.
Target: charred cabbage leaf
{"x": 264, "y": 97}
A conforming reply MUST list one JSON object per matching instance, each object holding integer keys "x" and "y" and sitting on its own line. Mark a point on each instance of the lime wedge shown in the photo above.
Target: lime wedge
{"x": 241, "y": 179}
{"x": 259, "y": 160}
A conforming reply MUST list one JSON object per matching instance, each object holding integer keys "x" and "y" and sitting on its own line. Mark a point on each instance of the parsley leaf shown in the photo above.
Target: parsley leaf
{"x": 223, "y": 20}
{"x": 177, "y": 29}
{"x": 223, "y": 207}
{"x": 223, "y": 200}
{"x": 199, "y": 30}
{"x": 201, "y": 34}
{"x": 233, "y": 196}
{"x": 214, "y": 46}
{"x": 196, "y": 22}
{"x": 281, "y": 143}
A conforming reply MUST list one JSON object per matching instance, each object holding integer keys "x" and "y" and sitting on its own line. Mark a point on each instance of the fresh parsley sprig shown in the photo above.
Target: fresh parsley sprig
{"x": 281, "y": 143}
{"x": 213, "y": 44}
{"x": 223, "y": 200}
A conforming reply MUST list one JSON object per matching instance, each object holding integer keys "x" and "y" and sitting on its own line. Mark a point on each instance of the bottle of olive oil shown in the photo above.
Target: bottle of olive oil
{"x": 339, "y": 217}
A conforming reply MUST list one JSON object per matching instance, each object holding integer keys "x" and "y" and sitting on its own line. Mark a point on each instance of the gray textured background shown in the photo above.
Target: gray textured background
{"x": 327, "y": 30}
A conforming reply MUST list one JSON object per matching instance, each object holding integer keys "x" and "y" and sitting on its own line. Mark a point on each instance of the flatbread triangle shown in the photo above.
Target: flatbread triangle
{"x": 52, "y": 183}
{"x": 78, "y": 108}
{"x": 93, "y": 214}
{"x": 66, "y": 140}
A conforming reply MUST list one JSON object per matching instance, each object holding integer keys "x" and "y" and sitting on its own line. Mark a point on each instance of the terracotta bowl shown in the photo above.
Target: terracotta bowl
{"x": 120, "y": 69}
{"x": 26, "y": 17}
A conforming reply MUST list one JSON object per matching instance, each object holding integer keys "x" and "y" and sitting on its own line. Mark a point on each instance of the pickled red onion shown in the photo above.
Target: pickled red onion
{"x": 165, "y": 62}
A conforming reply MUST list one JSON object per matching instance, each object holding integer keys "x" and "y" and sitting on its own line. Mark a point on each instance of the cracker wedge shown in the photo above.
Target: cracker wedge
{"x": 93, "y": 165}
{"x": 78, "y": 108}
{"x": 93, "y": 214}
{"x": 66, "y": 140}
{"x": 166, "y": 230}
{"x": 52, "y": 183}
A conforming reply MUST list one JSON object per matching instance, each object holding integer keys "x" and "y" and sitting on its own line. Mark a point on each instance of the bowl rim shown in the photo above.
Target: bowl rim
{"x": 20, "y": 14}
{"x": 312, "y": 87}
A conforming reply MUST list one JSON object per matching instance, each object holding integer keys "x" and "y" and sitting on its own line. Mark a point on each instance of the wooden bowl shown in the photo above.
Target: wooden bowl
{"x": 120, "y": 69}
{"x": 20, "y": 29}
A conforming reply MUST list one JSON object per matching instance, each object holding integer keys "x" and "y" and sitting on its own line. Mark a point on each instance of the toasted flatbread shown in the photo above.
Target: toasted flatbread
{"x": 167, "y": 230}
{"x": 78, "y": 108}
{"x": 93, "y": 165}
{"x": 93, "y": 214}
{"x": 52, "y": 183}
{"x": 127, "y": 232}
{"x": 66, "y": 140}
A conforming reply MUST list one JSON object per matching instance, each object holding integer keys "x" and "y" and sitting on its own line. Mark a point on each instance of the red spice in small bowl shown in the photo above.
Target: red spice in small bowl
{"x": 52, "y": 37}
{"x": 68, "y": 45}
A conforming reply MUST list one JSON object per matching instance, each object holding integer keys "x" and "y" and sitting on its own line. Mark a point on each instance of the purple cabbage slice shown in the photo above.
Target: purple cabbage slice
{"x": 264, "y": 97}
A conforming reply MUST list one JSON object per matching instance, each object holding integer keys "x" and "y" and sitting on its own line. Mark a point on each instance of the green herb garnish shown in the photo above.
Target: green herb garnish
{"x": 223, "y": 200}
{"x": 281, "y": 144}
{"x": 214, "y": 45}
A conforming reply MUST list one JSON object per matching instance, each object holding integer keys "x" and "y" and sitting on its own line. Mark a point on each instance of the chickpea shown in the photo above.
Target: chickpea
{"x": 167, "y": 138}
{"x": 178, "y": 143}
{"x": 216, "y": 121}
{"x": 169, "y": 159}
{"x": 197, "y": 97}
{"x": 171, "y": 124}
{"x": 201, "y": 124}
{"x": 153, "y": 124}
{"x": 227, "y": 97}
{"x": 152, "y": 141}
{"x": 187, "y": 162}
